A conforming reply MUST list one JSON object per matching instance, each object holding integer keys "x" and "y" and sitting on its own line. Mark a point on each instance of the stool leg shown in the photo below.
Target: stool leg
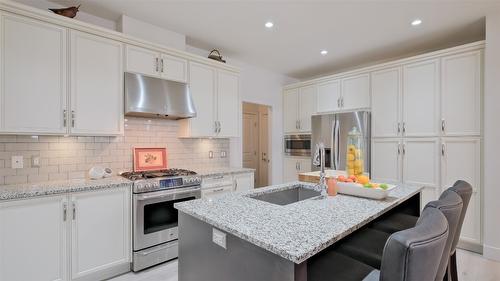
{"x": 453, "y": 267}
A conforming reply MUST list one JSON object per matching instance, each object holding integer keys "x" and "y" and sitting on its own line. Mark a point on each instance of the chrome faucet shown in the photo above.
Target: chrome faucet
{"x": 319, "y": 160}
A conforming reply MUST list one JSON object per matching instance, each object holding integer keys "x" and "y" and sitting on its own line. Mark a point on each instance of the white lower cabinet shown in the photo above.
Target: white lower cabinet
{"x": 461, "y": 159}
{"x": 33, "y": 240}
{"x": 386, "y": 160}
{"x": 421, "y": 161}
{"x": 89, "y": 233}
{"x": 100, "y": 233}
{"x": 243, "y": 181}
{"x": 293, "y": 166}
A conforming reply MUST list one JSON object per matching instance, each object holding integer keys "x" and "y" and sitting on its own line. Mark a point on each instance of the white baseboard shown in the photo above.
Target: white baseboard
{"x": 492, "y": 253}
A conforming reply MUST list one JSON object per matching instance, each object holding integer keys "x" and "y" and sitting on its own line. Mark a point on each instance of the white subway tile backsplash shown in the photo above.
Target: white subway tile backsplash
{"x": 71, "y": 157}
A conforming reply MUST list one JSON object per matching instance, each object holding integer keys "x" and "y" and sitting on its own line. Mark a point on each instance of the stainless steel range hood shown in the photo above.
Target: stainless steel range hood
{"x": 159, "y": 98}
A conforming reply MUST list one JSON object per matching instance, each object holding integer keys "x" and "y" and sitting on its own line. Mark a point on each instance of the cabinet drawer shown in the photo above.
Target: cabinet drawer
{"x": 217, "y": 190}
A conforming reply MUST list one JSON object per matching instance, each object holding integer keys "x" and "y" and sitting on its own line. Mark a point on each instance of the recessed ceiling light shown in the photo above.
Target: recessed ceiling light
{"x": 323, "y": 52}
{"x": 269, "y": 24}
{"x": 416, "y": 22}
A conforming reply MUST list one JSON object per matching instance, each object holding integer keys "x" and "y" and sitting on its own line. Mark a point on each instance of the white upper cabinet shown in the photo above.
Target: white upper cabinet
{"x": 307, "y": 107}
{"x": 96, "y": 85}
{"x": 202, "y": 88}
{"x": 34, "y": 76}
{"x": 216, "y": 99}
{"x": 142, "y": 61}
{"x": 329, "y": 95}
{"x": 152, "y": 63}
{"x": 291, "y": 110}
{"x": 33, "y": 239}
{"x": 386, "y": 103}
{"x": 421, "y": 162}
{"x": 100, "y": 233}
{"x": 461, "y": 94}
{"x": 421, "y": 99}
{"x": 173, "y": 68}
{"x": 356, "y": 92}
{"x": 227, "y": 103}
{"x": 386, "y": 160}
{"x": 298, "y": 106}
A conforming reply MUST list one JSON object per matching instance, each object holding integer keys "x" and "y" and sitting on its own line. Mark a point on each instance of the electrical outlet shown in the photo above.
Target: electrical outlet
{"x": 219, "y": 237}
{"x": 210, "y": 154}
{"x": 35, "y": 161}
{"x": 223, "y": 154}
{"x": 17, "y": 162}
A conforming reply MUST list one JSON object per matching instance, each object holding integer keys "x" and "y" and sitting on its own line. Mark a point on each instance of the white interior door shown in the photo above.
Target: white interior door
{"x": 101, "y": 232}
{"x": 421, "y": 99}
{"x": 386, "y": 160}
{"x": 33, "y": 240}
{"x": 96, "y": 85}
{"x": 228, "y": 106}
{"x": 34, "y": 67}
{"x": 202, "y": 86}
{"x": 356, "y": 92}
{"x": 461, "y": 160}
{"x": 291, "y": 110}
{"x": 461, "y": 94}
{"x": 173, "y": 68}
{"x": 421, "y": 162}
{"x": 307, "y": 106}
{"x": 386, "y": 103}
{"x": 329, "y": 96}
{"x": 142, "y": 61}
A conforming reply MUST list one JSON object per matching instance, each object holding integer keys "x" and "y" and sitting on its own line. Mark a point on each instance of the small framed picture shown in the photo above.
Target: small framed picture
{"x": 150, "y": 158}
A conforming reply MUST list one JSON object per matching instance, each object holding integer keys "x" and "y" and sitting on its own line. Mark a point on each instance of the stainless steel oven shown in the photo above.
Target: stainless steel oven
{"x": 297, "y": 145}
{"x": 155, "y": 219}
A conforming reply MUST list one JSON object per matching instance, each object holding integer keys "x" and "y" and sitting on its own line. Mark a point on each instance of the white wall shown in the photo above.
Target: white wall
{"x": 492, "y": 137}
{"x": 151, "y": 32}
{"x": 262, "y": 86}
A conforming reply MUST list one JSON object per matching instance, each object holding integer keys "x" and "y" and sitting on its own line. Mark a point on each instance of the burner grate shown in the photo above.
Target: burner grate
{"x": 157, "y": 174}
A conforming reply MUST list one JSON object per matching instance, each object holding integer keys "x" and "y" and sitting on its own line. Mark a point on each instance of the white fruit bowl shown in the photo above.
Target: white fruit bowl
{"x": 357, "y": 189}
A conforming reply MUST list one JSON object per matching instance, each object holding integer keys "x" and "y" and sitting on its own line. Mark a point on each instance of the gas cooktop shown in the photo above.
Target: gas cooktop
{"x": 150, "y": 181}
{"x": 157, "y": 174}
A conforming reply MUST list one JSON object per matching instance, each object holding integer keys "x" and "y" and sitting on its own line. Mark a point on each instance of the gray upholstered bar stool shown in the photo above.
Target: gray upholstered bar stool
{"x": 366, "y": 246}
{"x": 409, "y": 255}
{"x": 399, "y": 221}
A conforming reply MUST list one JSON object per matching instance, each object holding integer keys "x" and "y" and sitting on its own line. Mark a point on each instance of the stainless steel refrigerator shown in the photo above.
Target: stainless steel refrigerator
{"x": 332, "y": 130}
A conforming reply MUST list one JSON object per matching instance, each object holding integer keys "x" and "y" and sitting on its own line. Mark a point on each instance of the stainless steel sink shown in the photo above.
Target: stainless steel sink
{"x": 288, "y": 196}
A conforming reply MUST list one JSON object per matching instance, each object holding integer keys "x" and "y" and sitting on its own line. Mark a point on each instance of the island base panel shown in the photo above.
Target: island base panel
{"x": 200, "y": 259}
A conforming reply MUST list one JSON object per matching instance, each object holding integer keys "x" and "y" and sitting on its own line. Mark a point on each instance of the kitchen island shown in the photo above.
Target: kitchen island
{"x": 256, "y": 235}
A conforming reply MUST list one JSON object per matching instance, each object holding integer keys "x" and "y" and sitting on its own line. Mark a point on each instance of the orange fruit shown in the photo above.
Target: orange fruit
{"x": 363, "y": 179}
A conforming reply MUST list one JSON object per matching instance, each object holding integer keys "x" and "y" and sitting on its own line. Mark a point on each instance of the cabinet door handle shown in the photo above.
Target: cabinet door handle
{"x": 338, "y": 102}
{"x": 161, "y": 65}
{"x": 65, "y": 211}
{"x": 404, "y": 149}
{"x": 74, "y": 211}
{"x": 235, "y": 184}
{"x": 217, "y": 190}
{"x": 442, "y": 149}
{"x": 342, "y": 102}
{"x": 156, "y": 65}
{"x": 73, "y": 117}
{"x": 443, "y": 125}
{"x": 399, "y": 149}
{"x": 65, "y": 118}
{"x": 404, "y": 128}
{"x": 296, "y": 166}
{"x": 399, "y": 128}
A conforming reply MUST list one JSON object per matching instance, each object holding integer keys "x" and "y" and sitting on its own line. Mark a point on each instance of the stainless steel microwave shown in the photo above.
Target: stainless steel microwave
{"x": 297, "y": 145}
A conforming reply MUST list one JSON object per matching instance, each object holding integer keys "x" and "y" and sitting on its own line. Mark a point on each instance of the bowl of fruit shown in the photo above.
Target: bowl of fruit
{"x": 362, "y": 186}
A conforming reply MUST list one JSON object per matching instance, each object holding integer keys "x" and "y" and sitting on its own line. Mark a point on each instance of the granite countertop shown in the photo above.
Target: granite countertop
{"x": 296, "y": 231}
{"x": 212, "y": 172}
{"x": 29, "y": 190}
{"x": 23, "y": 191}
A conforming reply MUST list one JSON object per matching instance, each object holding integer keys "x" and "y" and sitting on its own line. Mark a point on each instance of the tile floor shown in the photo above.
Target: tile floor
{"x": 471, "y": 267}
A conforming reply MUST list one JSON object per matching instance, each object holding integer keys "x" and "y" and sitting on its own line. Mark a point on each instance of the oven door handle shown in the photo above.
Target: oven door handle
{"x": 146, "y": 253}
{"x": 174, "y": 194}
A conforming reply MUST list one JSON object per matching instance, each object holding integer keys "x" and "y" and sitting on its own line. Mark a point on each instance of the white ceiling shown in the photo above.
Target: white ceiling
{"x": 354, "y": 32}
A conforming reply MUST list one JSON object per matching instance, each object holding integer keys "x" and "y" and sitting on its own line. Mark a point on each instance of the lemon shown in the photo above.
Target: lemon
{"x": 350, "y": 157}
{"x": 363, "y": 179}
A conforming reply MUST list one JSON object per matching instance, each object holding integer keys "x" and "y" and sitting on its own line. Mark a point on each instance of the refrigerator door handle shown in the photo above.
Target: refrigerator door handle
{"x": 336, "y": 135}
{"x": 332, "y": 146}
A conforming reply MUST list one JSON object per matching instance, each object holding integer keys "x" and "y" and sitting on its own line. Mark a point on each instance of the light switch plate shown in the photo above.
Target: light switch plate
{"x": 210, "y": 154}
{"x": 35, "y": 161}
{"x": 17, "y": 162}
{"x": 223, "y": 154}
{"x": 219, "y": 237}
